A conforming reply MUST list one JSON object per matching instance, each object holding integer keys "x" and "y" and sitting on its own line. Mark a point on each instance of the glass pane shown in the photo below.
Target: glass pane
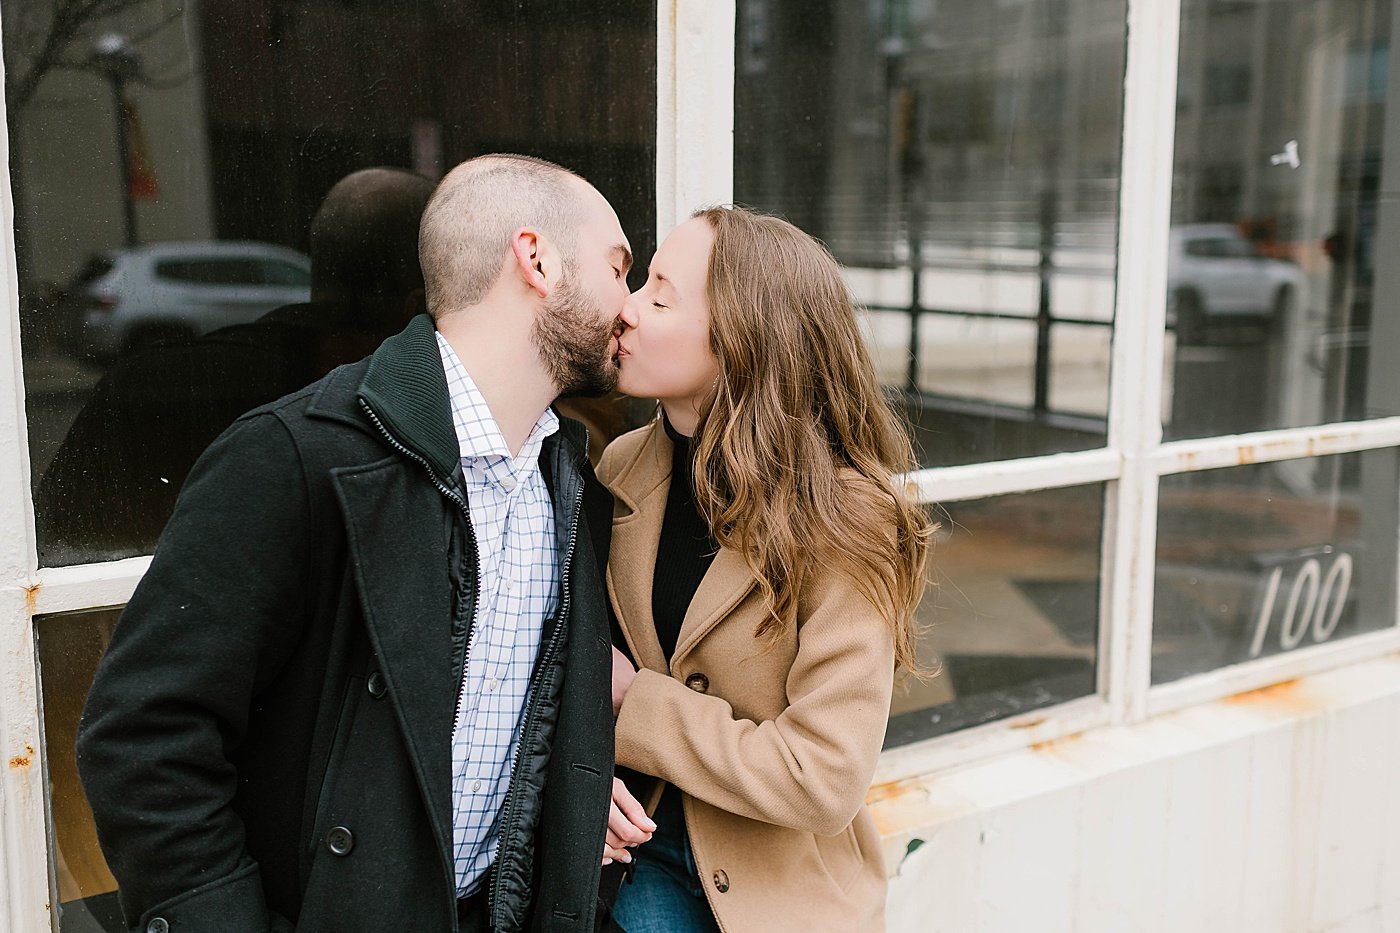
{"x": 168, "y": 160}
{"x": 961, "y": 159}
{"x": 70, "y": 645}
{"x": 1260, "y": 560}
{"x": 1287, "y": 136}
{"x": 1013, "y": 617}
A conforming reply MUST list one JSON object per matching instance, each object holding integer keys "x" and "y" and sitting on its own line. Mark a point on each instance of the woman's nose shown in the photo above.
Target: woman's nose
{"x": 629, "y": 316}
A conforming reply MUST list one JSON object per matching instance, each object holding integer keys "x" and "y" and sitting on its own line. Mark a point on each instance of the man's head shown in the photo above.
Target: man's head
{"x": 364, "y": 241}
{"x": 521, "y": 233}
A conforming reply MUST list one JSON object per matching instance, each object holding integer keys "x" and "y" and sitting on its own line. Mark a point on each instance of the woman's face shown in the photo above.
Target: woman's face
{"x": 665, "y": 351}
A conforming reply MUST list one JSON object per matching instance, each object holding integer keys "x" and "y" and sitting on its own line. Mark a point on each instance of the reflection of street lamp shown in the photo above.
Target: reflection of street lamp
{"x": 115, "y": 59}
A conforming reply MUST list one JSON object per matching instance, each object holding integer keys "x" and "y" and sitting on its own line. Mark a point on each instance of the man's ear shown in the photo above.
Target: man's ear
{"x": 534, "y": 260}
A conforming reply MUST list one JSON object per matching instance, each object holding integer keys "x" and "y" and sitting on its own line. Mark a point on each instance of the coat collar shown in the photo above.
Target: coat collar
{"x": 405, "y": 388}
{"x": 640, "y": 487}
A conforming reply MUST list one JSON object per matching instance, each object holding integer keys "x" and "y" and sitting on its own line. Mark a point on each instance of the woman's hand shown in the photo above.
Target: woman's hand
{"x": 622, "y": 674}
{"x": 628, "y": 824}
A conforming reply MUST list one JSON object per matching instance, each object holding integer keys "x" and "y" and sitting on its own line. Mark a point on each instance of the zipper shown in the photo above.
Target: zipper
{"x": 471, "y": 538}
{"x": 546, "y": 673}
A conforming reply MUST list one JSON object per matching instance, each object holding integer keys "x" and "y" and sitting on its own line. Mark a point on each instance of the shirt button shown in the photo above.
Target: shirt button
{"x": 476, "y": 786}
{"x": 508, "y": 584}
{"x": 508, "y": 483}
{"x": 492, "y": 684}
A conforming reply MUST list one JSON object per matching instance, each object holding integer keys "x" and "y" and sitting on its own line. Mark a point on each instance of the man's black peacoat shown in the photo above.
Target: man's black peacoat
{"x": 267, "y": 743}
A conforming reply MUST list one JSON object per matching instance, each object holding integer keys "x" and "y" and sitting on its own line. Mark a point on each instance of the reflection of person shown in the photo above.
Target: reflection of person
{"x": 364, "y": 684}
{"x": 764, "y": 569}
{"x": 113, "y": 482}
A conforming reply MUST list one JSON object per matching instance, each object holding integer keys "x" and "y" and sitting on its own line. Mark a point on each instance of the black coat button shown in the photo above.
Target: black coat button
{"x": 721, "y": 882}
{"x": 376, "y": 685}
{"x": 340, "y": 840}
{"x": 158, "y": 925}
{"x": 698, "y": 682}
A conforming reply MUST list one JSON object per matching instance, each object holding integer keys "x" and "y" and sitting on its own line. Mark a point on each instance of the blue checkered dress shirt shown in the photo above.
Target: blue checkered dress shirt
{"x": 512, "y": 516}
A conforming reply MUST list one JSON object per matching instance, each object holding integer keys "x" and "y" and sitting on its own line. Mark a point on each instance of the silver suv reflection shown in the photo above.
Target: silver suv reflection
{"x": 126, "y": 299}
{"x": 1217, "y": 276}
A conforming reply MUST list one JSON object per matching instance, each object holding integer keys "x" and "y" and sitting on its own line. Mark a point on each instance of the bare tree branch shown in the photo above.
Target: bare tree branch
{"x": 71, "y": 18}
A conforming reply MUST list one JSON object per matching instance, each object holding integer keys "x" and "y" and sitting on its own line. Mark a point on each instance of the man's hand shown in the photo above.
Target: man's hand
{"x": 622, "y": 674}
{"x": 628, "y": 824}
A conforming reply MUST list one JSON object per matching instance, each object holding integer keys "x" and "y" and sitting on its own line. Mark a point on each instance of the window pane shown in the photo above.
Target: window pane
{"x": 1278, "y": 312}
{"x": 167, "y": 161}
{"x": 961, "y": 159}
{"x": 1264, "y": 559}
{"x": 69, "y": 646}
{"x": 1013, "y": 616}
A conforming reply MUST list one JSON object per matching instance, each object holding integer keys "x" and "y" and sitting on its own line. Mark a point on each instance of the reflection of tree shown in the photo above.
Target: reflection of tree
{"x": 47, "y": 36}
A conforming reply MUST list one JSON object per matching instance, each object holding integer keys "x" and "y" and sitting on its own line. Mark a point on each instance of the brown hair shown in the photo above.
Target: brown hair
{"x": 797, "y": 450}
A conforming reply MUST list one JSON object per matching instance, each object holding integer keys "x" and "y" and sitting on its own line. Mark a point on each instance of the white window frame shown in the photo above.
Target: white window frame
{"x": 695, "y": 156}
{"x": 695, "y": 146}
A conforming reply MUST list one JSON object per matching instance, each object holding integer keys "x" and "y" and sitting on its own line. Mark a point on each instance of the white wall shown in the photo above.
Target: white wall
{"x": 1276, "y": 811}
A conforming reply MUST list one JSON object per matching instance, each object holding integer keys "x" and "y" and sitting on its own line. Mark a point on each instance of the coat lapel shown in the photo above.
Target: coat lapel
{"x": 723, "y": 587}
{"x": 640, "y": 497}
{"x": 640, "y": 491}
{"x": 405, "y": 593}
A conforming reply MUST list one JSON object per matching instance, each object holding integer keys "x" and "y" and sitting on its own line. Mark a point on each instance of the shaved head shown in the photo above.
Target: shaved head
{"x": 364, "y": 237}
{"x": 467, "y": 227}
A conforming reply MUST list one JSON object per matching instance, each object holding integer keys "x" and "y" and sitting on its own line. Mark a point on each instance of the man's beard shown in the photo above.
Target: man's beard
{"x": 572, "y": 342}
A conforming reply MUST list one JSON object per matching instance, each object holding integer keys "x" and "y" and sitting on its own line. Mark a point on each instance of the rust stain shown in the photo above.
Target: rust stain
{"x": 891, "y": 791}
{"x": 1054, "y": 745}
{"x": 1288, "y": 695}
{"x": 1246, "y": 454}
{"x": 31, "y": 596}
{"x": 1027, "y": 724}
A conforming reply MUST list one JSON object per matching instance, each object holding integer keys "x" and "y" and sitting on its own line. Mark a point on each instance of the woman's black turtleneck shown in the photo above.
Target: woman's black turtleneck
{"x": 685, "y": 550}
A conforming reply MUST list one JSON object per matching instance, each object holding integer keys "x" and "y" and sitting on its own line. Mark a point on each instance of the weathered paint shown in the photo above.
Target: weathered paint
{"x": 1269, "y": 812}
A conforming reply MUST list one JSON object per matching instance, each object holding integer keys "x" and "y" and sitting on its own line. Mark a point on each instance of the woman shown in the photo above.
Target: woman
{"x": 765, "y": 569}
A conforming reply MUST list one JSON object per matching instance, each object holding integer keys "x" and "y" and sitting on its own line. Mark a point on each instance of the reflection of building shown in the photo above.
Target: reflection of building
{"x": 1259, "y": 83}
{"x": 974, "y": 111}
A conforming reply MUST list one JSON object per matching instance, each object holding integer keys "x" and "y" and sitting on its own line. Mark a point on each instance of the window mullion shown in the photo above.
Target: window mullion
{"x": 1135, "y": 426}
{"x": 695, "y": 108}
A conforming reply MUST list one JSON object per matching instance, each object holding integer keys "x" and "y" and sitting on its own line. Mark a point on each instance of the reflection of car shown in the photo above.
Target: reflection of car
{"x": 126, "y": 299}
{"x": 1215, "y": 275}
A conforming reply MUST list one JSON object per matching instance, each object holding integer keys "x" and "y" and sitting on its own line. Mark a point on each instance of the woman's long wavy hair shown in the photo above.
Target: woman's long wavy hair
{"x": 797, "y": 451}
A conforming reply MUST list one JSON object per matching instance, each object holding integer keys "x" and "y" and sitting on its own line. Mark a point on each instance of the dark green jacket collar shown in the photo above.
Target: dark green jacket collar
{"x": 406, "y": 390}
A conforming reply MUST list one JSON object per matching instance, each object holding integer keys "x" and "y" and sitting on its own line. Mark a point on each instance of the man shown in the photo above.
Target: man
{"x": 129, "y": 450}
{"x": 365, "y": 684}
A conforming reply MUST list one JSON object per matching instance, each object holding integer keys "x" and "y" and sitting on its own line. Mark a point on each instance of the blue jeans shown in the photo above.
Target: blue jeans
{"x": 665, "y": 894}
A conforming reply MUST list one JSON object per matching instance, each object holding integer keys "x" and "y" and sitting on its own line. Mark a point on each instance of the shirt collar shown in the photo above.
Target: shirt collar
{"x": 478, "y": 435}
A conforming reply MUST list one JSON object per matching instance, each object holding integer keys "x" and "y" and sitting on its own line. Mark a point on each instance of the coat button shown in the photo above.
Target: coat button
{"x": 158, "y": 925}
{"x": 376, "y": 685}
{"x": 721, "y": 882}
{"x": 698, "y": 682}
{"x": 340, "y": 840}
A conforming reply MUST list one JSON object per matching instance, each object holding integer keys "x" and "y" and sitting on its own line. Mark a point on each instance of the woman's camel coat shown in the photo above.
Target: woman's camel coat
{"x": 772, "y": 742}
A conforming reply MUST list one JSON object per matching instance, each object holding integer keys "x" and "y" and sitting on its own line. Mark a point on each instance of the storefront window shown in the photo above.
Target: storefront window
{"x": 1276, "y": 314}
{"x": 962, "y": 161}
{"x": 168, "y": 160}
{"x": 1011, "y": 619}
{"x": 1265, "y": 559}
